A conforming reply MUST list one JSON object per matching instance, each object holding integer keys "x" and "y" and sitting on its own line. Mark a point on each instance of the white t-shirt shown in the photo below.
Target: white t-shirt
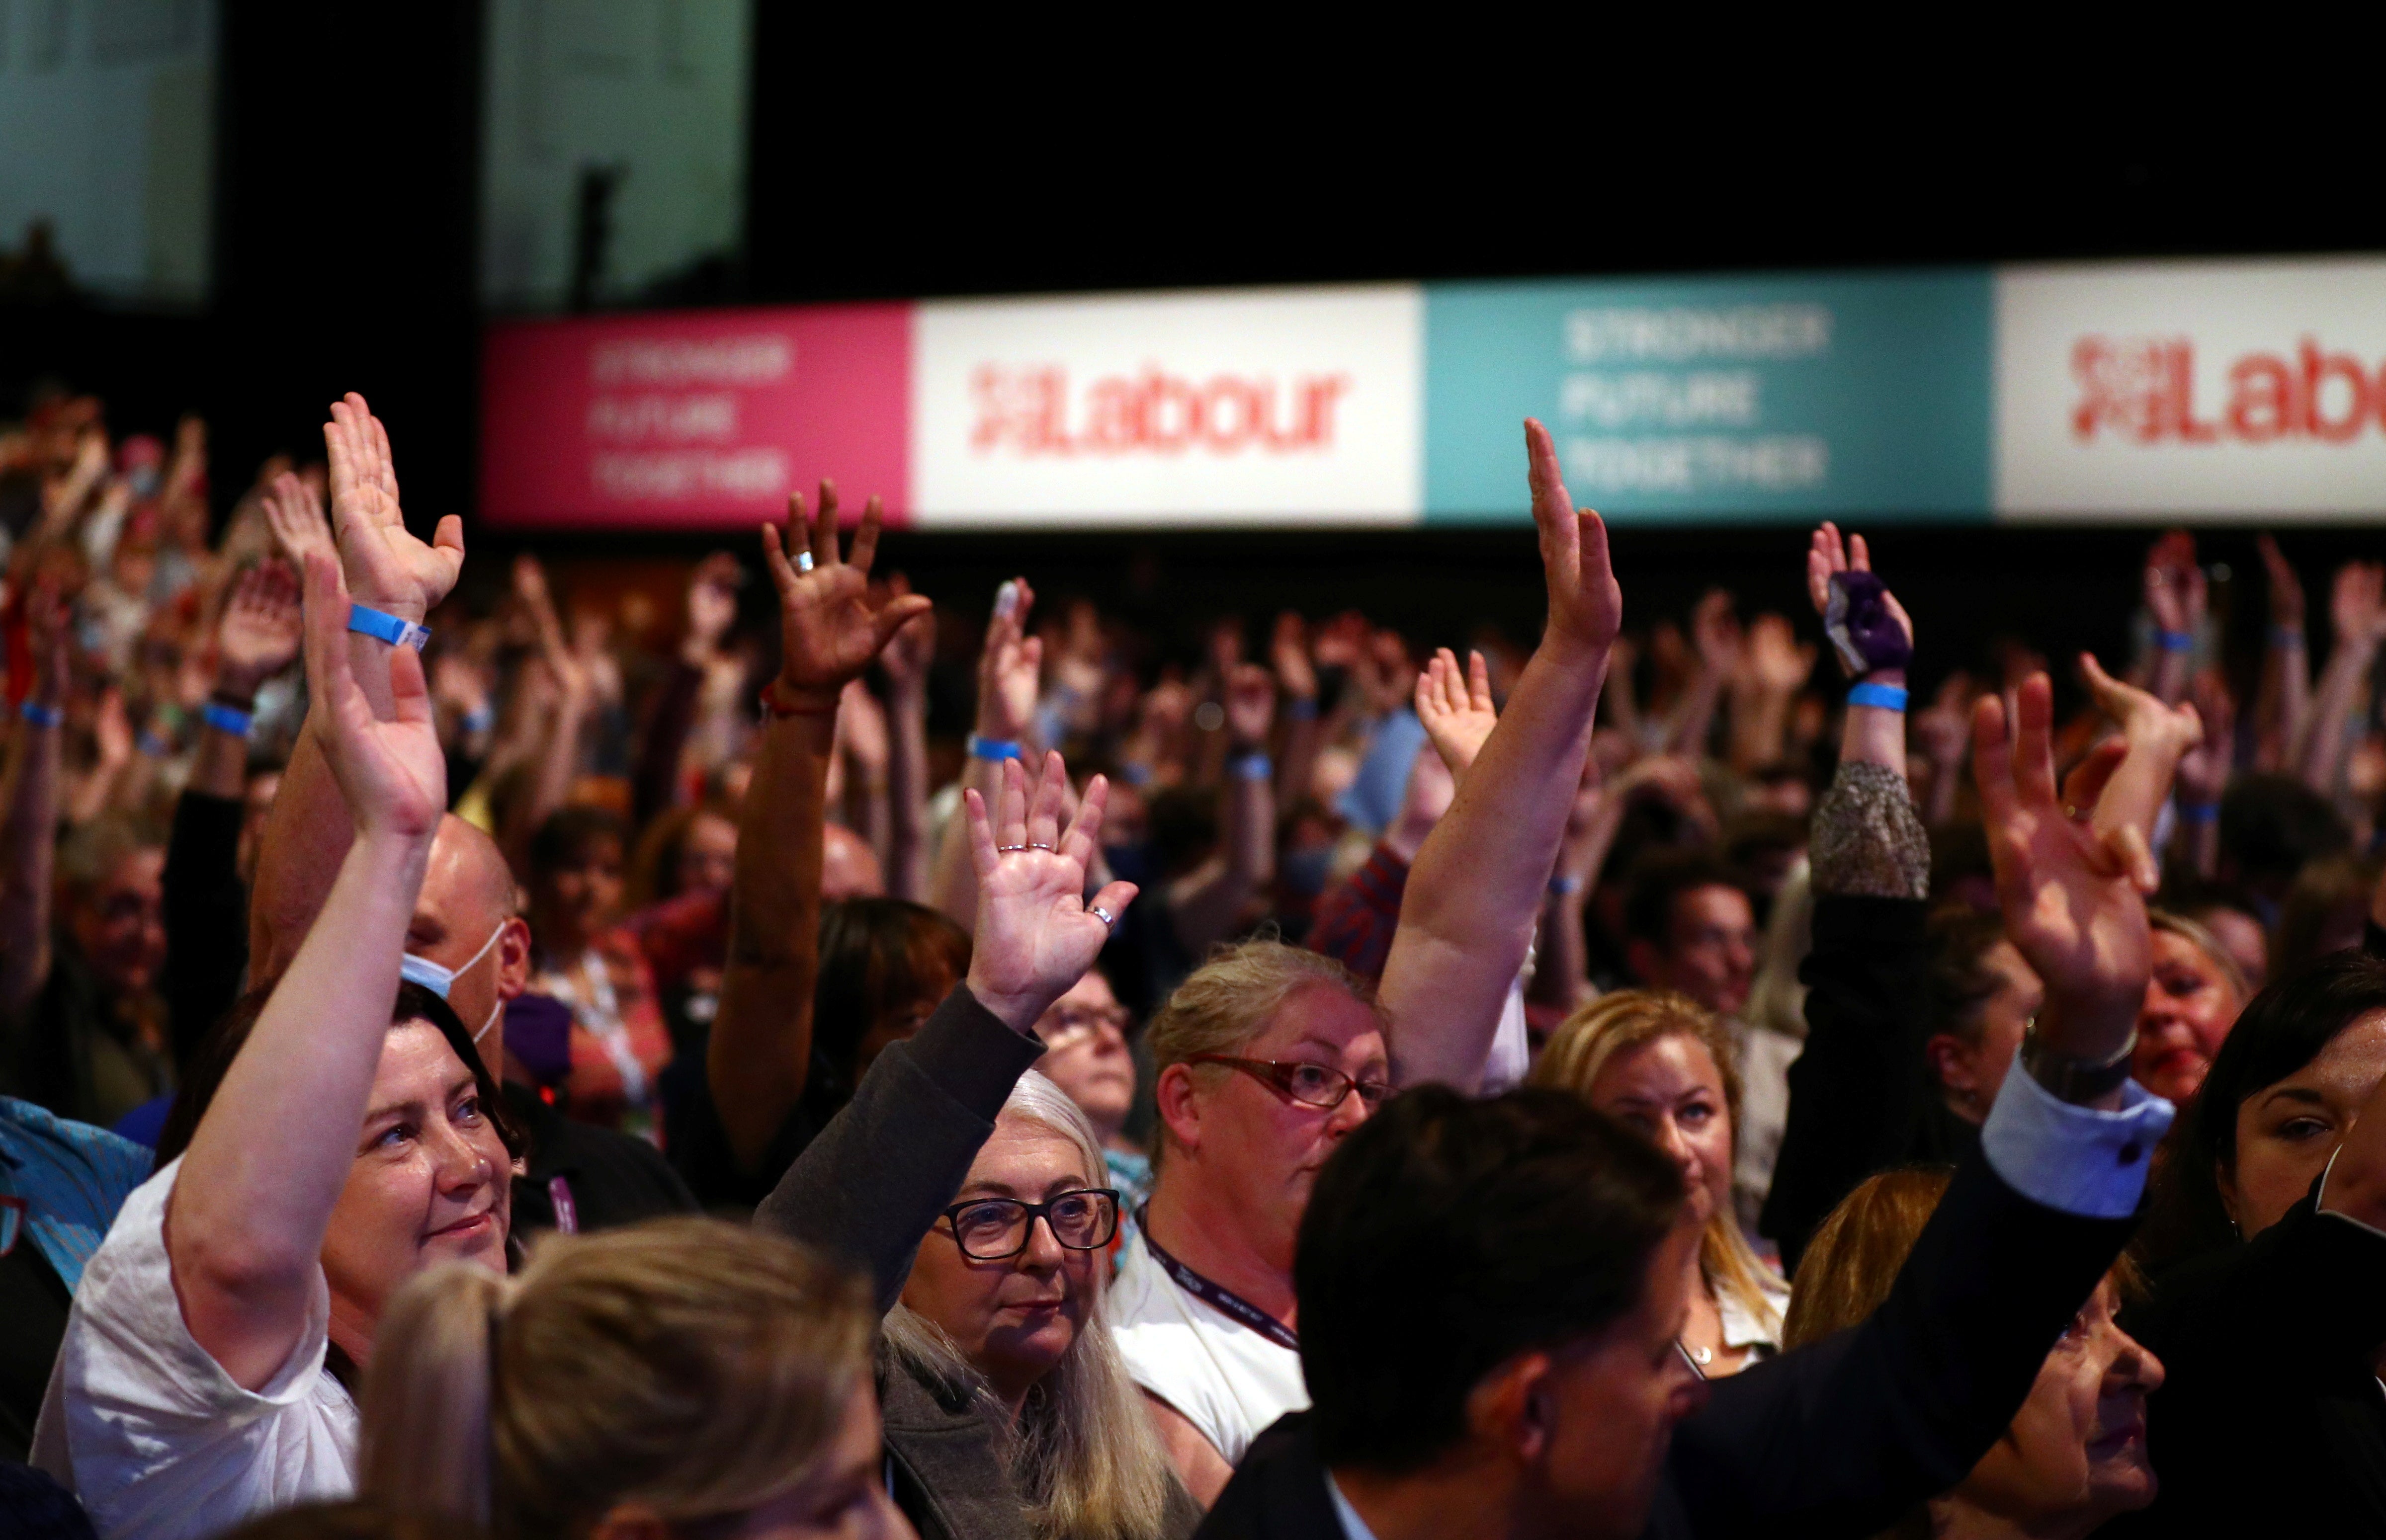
{"x": 149, "y": 1431}
{"x": 1220, "y": 1376}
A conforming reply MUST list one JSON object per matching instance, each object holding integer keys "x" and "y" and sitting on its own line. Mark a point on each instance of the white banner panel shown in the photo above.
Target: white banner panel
{"x": 2250, "y": 389}
{"x": 1278, "y": 404}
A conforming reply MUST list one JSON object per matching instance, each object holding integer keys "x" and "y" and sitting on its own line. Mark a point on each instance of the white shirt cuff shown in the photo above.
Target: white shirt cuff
{"x": 2076, "y": 1159}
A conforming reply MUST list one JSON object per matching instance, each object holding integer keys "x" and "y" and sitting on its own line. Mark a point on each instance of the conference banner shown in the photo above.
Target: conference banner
{"x": 2127, "y": 391}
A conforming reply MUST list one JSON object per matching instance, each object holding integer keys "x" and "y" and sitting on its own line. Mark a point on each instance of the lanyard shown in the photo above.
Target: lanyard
{"x": 1219, "y": 1297}
{"x": 566, "y": 1213}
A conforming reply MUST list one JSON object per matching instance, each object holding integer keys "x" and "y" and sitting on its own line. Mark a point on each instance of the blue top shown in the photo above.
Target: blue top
{"x": 73, "y": 1178}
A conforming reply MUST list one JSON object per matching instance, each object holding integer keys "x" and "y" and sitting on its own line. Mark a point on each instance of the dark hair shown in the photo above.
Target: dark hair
{"x": 2272, "y": 825}
{"x": 1958, "y": 940}
{"x": 1447, "y": 1235}
{"x": 351, "y": 1520}
{"x": 1658, "y": 883}
{"x": 877, "y": 956}
{"x": 2323, "y": 911}
{"x": 654, "y": 865}
{"x": 212, "y": 1059}
{"x": 2284, "y": 1028}
{"x": 569, "y": 833}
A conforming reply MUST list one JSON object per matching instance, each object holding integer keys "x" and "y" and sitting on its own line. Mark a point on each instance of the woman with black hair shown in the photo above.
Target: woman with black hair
{"x": 346, "y": 1145}
{"x": 2267, "y": 1243}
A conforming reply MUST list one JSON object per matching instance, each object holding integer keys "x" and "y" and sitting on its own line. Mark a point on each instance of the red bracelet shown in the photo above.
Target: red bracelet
{"x": 770, "y": 705}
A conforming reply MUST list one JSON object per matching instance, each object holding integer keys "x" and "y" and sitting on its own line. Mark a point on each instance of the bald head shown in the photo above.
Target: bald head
{"x": 466, "y": 878}
{"x": 849, "y": 866}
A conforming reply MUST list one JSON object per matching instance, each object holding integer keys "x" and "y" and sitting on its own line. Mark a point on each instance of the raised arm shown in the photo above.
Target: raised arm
{"x": 887, "y": 1164}
{"x": 1010, "y": 669}
{"x": 258, "y": 635}
{"x": 2284, "y": 697}
{"x": 1476, "y": 892}
{"x": 385, "y": 568}
{"x": 1296, "y": 683}
{"x": 2176, "y": 598}
{"x": 1858, "y": 1090}
{"x": 831, "y": 626}
{"x": 906, "y": 662}
{"x": 29, "y": 793}
{"x": 2357, "y": 607}
{"x": 555, "y": 762}
{"x": 245, "y": 1227}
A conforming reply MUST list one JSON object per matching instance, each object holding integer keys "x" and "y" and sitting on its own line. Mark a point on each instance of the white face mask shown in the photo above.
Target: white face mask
{"x": 439, "y": 981}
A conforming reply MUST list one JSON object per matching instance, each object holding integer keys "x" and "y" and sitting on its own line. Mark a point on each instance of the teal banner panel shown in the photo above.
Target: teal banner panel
{"x": 1717, "y": 400}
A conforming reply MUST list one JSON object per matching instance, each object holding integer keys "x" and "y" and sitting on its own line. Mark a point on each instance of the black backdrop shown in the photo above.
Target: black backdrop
{"x": 884, "y": 166}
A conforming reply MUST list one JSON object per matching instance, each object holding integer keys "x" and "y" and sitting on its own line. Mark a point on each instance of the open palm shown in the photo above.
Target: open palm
{"x": 261, "y": 629}
{"x": 1036, "y": 935}
{"x": 832, "y": 624}
{"x": 1585, "y": 605}
{"x": 385, "y": 566}
{"x": 2067, "y": 892}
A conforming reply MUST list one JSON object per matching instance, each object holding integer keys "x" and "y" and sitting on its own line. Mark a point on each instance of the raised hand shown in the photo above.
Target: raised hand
{"x": 1585, "y": 606}
{"x": 1716, "y": 634}
{"x": 1009, "y": 667}
{"x": 1036, "y": 935}
{"x": 2069, "y": 892}
{"x": 909, "y": 655}
{"x": 392, "y": 774}
{"x": 1777, "y": 661}
{"x": 861, "y": 732}
{"x": 2357, "y": 603}
{"x": 261, "y": 629}
{"x": 2286, "y": 588}
{"x": 385, "y": 566}
{"x": 2175, "y": 585}
{"x": 296, "y": 516}
{"x": 831, "y": 625}
{"x": 1295, "y": 675}
{"x": 1864, "y": 609}
{"x": 1456, "y": 708}
{"x": 1250, "y": 703}
{"x": 2156, "y": 736}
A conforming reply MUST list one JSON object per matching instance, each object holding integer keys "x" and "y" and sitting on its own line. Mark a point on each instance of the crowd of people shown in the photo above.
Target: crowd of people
{"x": 540, "y": 1071}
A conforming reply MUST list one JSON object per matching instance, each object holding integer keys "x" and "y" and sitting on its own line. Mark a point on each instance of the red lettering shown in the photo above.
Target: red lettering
{"x": 2319, "y": 370}
{"x": 2125, "y": 387}
{"x": 2183, "y": 396}
{"x": 1030, "y": 410}
{"x": 2262, "y": 404}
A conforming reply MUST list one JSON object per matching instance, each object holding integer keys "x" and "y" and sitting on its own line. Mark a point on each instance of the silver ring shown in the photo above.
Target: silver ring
{"x": 1007, "y": 849}
{"x": 1104, "y": 915}
{"x": 1036, "y": 844}
{"x": 803, "y": 561}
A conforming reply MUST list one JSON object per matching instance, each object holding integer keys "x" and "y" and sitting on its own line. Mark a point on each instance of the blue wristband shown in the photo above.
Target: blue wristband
{"x": 1888, "y": 697}
{"x": 42, "y": 716}
{"x": 386, "y": 628}
{"x": 2286, "y": 636}
{"x": 993, "y": 748}
{"x": 1301, "y": 709}
{"x": 1253, "y": 767}
{"x": 480, "y": 718}
{"x": 1564, "y": 887}
{"x": 223, "y": 719}
{"x": 2174, "y": 641}
{"x": 2198, "y": 812}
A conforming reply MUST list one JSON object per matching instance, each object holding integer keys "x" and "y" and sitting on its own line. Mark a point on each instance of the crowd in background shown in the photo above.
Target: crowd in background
{"x": 689, "y": 880}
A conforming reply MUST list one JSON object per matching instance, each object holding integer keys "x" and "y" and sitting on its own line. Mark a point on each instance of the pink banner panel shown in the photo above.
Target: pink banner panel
{"x": 692, "y": 421}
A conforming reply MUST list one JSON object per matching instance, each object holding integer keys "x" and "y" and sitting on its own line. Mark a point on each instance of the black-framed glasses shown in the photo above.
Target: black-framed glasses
{"x": 990, "y": 1228}
{"x": 1317, "y": 1085}
{"x": 1065, "y": 1026}
{"x": 14, "y": 1213}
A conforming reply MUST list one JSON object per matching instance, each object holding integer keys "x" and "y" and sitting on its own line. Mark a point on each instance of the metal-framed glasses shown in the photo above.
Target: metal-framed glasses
{"x": 1317, "y": 1085}
{"x": 990, "y": 1228}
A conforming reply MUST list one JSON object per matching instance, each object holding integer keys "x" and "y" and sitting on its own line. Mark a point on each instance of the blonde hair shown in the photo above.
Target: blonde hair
{"x": 2198, "y": 935}
{"x": 695, "y": 1367}
{"x": 1615, "y": 1024}
{"x": 1083, "y": 1451}
{"x": 1857, "y": 1251}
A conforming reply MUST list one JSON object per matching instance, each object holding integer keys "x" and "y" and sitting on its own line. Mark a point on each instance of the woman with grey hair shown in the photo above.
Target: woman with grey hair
{"x": 974, "y": 1191}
